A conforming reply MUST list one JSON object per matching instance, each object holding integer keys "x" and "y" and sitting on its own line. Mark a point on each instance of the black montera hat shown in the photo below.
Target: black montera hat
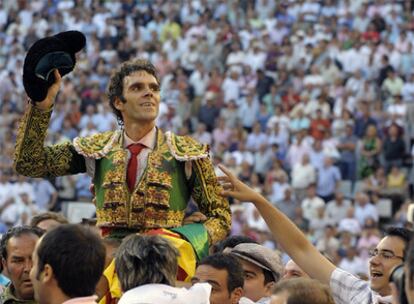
{"x": 47, "y": 54}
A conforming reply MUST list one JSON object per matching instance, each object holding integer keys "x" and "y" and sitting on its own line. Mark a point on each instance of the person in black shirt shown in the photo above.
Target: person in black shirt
{"x": 394, "y": 148}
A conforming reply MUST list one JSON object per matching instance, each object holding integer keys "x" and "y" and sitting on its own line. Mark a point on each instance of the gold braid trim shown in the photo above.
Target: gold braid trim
{"x": 31, "y": 158}
{"x": 207, "y": 195}
{"x": 185, "y": 148}
{"x": 98, "y": 145}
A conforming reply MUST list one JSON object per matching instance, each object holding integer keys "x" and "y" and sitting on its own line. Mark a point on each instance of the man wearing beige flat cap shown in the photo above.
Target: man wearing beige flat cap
{"x": 262, "y": 267}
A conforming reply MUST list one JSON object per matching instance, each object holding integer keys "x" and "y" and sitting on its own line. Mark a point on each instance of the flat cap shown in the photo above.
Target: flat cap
{"x": 261, "y": 256}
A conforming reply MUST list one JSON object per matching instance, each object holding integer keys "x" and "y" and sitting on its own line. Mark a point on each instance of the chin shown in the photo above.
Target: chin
{"x": 28, "y": 296}
{"x": 377, "y": 287}
{"x": 373, "y": 285}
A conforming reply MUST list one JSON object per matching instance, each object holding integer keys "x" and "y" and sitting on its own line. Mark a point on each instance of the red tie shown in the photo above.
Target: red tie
{"x": 133, "y": 165}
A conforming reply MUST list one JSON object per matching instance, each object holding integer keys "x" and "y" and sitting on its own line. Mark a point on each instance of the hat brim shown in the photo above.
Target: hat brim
{"x": 55, "y": 60}
{"x": 243, "y": 256}
{"x": 44, "y": 56}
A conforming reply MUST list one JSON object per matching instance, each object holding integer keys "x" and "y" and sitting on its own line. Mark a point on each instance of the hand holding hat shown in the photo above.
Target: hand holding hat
{"x": 46, "y": 55}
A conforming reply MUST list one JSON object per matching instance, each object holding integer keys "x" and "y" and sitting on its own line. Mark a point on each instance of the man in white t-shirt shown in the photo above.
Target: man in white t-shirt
{"x": 311, "y": 203}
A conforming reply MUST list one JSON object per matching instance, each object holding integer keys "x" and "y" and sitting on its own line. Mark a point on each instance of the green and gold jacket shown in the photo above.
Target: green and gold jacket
{"x": 159, "y": 199}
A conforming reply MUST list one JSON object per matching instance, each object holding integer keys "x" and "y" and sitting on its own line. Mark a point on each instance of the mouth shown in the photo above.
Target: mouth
{"x": 375, "y": 274}
{"x": 147, "y": 104}
{"x": 27, "y": 282}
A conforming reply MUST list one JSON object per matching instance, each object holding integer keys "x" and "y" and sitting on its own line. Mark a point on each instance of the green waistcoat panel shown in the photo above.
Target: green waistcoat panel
{"x": 158, "y": 200}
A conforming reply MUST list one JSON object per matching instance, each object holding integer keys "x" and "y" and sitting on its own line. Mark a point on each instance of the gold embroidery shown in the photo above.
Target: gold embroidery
{"x": 98, "y": 145}
{"x": 185, "y": 148}
{"x": 116, "y": 175}
{"x": 163, "y": 219}
{"x": 119, "y": 157}
{"x": 31, "y": 158}
{"x": 207, "y": 194}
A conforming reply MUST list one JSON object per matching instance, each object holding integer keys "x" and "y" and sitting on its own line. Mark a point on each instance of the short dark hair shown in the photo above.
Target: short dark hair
{"x": 403, "y": 233}
{"x": 77, "y": 257}
{"x": 231, "y": 242}
{"x": 116, "y": 83}
{"x": 48, "y": 215}
{"x": 228, "y": 262}
{"x": 143, "y": 259}
{"x": 16, "y": 232}
{"x": 304, "y": 291}
{"x": 409, "y": 263}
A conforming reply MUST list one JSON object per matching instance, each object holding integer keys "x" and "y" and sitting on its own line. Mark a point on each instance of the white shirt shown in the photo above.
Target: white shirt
{"x": 407, "y": 92}
{"x": 303, "y": 175}
{"x": 350, "y": 225}
{"x": 337, "y": 212}
{"x": 354, "y": 266}
{"x": 6, "y": 192}
{"x": 364, "y": 212}
{"x": 163, "y": 294}
{"x": 310, "y": 207}
{"x": 231, "y": 89}
{"x": 253, "y": 218}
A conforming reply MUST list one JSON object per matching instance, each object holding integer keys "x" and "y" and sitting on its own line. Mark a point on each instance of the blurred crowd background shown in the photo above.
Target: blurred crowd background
{"x": 310, "y": 102}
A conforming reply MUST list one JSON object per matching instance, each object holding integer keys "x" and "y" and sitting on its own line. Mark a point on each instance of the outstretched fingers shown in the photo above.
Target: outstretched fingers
{"x": 227, "y": 172}
{"x": 235, "y": 188}
{"x": 227, "y": 186}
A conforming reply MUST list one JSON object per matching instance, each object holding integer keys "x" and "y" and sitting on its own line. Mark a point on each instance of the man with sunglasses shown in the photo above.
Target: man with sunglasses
{"x": 346, "y": 288}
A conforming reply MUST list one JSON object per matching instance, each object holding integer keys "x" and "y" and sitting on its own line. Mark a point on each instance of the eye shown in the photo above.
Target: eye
{"x": 17, "y": 261}
{"x": 155, "y": 88}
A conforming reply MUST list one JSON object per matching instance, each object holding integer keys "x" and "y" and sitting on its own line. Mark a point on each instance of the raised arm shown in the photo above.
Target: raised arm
{"x": 31, "y": 157}
{"x": 285, "y": 232}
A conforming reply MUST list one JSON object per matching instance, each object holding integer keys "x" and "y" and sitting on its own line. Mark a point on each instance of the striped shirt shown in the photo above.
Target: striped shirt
{"x": 348, "y": 289}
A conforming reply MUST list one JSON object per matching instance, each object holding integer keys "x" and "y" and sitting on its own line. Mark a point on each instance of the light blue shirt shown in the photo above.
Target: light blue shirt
{"x": 327, "y": 179}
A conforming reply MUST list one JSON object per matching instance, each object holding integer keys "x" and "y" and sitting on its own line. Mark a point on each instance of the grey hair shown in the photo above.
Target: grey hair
{"x": 146, "y": 260}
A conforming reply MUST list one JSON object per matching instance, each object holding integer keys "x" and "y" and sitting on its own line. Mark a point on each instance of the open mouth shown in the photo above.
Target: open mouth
{"x": 376, "y": 274}
{"x": 147, "y": 104}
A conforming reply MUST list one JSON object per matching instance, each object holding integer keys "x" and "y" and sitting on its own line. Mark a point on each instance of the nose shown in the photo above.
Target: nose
{"x": 374, "y": 260}
{"x": 28, "y": 265}
{"x": 148, "y": 92}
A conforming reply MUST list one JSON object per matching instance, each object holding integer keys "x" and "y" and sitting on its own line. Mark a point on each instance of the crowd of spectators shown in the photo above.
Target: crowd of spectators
{"x": 309, "y": 102}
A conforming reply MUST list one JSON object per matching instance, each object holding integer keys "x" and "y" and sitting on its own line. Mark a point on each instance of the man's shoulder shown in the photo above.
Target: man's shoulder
{"x": 97, "y": 145}
{"x": 7, "y": 297}
{"x": 347, "y": 288}
{"x": 186, "y": 148}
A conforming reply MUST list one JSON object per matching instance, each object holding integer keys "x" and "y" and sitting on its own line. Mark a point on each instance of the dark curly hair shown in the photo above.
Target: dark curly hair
{"x": 116, "y": 83}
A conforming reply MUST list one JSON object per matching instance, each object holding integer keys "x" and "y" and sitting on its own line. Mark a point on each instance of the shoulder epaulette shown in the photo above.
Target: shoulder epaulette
{"x": 185, "y": 148}
{"x": 96, "y": 146}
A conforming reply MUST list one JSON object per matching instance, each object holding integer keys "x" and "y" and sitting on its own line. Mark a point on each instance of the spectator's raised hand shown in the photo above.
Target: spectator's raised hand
{"x": 233, "y": 187}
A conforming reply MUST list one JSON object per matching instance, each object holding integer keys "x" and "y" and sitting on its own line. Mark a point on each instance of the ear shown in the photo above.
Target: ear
{"x": 47, "y": 274}
{"x": 236, "y": 295}
{"x": 119, "y": 104}
{"x": 269, "y": 288}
